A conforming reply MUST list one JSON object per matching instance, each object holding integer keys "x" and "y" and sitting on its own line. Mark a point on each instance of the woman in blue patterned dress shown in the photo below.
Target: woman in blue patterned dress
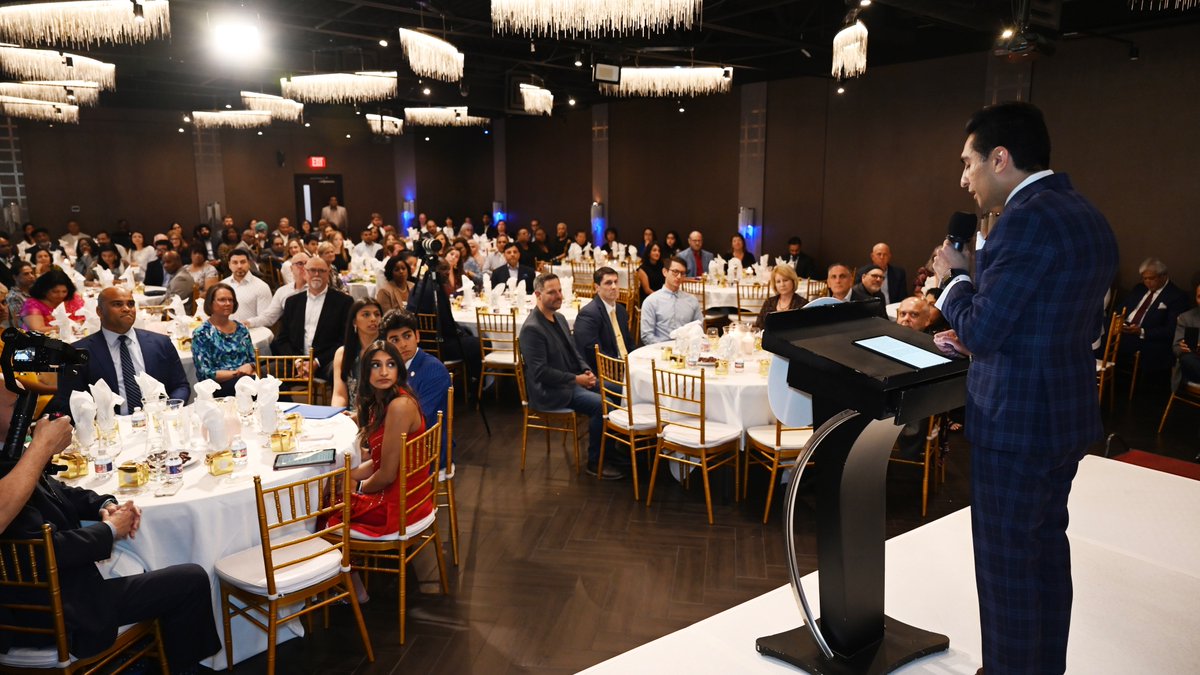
{"x": 221, "y": 347}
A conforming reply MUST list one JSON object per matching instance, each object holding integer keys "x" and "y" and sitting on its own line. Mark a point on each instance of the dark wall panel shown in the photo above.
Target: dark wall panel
{"x": 131, "y": 164}
{"x": 549, "y": 168}
{"x": 674, "y": 171}
{"x": 454, "y": 173}
{"x": 1126, "y": 132}
{"x": 794, "y": 183}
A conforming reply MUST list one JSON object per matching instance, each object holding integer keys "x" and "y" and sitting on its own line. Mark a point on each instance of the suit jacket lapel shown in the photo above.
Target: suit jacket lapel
{"x": 101, "y": 357}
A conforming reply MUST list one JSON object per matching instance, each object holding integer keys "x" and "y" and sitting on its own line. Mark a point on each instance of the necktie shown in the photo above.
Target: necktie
{"x": 133, "y": 393}
{"x": 699, "y": 271}
{"x": 616, "y": 326}
{"x": 1142, "y": 309}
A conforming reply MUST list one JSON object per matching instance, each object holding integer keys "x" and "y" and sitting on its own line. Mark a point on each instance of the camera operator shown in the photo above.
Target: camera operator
{"x": 49, "y": 437}
{"x": 430, "y": 296}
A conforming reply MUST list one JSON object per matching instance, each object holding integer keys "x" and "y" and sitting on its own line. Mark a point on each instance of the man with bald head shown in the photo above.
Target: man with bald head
{"x": 895, "y": 288}
{"x": 695, "y": 256}
{"x": 118, "y": 351}
{"x": 914, "y": 313}
{"x": 315, "y": 319}
{"x": 179, "y": 281}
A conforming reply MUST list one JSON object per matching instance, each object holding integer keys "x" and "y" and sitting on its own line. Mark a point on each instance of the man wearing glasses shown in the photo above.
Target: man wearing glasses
{"x": 314, "y": 320}
{"x": 275, "y": 309}
{"x": 669, "y": 307}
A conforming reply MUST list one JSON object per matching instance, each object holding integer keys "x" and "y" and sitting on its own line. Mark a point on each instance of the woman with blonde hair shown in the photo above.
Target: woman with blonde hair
{"x": 785, "y": 283}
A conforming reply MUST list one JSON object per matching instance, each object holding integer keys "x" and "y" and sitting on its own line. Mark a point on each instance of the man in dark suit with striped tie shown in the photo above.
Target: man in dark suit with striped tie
{"x": 1028, "y": 318}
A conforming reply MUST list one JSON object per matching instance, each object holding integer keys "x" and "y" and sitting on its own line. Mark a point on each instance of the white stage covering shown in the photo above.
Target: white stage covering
{"x": 1135, "y": 548}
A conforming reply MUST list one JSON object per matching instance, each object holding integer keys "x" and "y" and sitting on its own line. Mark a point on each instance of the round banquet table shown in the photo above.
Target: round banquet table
{"x": 261, "y": 337}
{"x": 211, "y": 516}
{"x": 465, "y": 317}
{"x": 622, "y": 272}
{"x": 739, "y": 399}
{"x": 156, "y": 297}
{"x": 361, "y": 290}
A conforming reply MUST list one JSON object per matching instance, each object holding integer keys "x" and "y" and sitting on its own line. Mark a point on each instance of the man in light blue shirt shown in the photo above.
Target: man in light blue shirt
{"x": 668, "y": 308}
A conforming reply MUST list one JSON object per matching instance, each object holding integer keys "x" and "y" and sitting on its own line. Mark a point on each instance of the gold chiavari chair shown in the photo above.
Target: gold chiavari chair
{"x": 29, "y": 572}
{"x": 429, "y": 338}
{"x": 445, "y": 486}
{"x": 563, "y": 421}
{"x": 815, "y": 288}
{"x": 685, "y": 435}
{"x": 1187, "y": 393}
{"x": 301, "y": 564}
{"x": 931, "y": 456}
{"x": 497, "y": 344}
{"x": 1106, "y": 366}
{"x": 750, "y": 297}
{"x": 772, "y": 446}
{"x": 582, "y": 284}
{"x": 695, "y": 288}
{"x": 628, "y": 424}
{"x": 294, "y": 382}
{"x": 392, "y": 553}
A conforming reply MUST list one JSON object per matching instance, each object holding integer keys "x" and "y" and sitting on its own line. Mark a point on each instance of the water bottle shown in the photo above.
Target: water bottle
{"x": 174, "y": 465}
{"x": 102, "y": 463}
{"x": 238, "y": 448}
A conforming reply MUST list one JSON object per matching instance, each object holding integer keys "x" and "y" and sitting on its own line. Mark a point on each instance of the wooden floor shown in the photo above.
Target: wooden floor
{"x": 560, "y": 572}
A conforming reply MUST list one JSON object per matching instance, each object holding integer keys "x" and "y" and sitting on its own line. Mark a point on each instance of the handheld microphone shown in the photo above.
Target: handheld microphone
{"x": 961, "y": 229}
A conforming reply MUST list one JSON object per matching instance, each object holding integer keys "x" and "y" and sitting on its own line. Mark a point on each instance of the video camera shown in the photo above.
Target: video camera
{"x": 430, "y": 251}
{"x": 29, "y": 352}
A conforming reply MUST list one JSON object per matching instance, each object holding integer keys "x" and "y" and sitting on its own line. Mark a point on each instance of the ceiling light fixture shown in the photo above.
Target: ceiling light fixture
{"x": 85, "y": 23}
{"x": 235, "y": 40}
{"x": 385, "y": 125}
{"x": 1006, "y": 33}
{"x": 841, "y": 90}
{"x": 537, "y": 100}
{"x": 571, "y": 101}
{"x": 187, "y": 118}
{"x": 1164, "y": 4}
{"x": 231, "y": 119}
{"x": 556, "y": 18}
{"x": 79, "y": 92}
{"x": 443, "y": 117}
{"x": 48, "y": 64}
{"x": 427, "y": 91}
{"x": 383, "y": 43}
{"x": 29, "y": 109}
{"x": 340, "y": 87}
{"x": 671, "y": 81}
{"x": 280, "y": 108}
{"x": 431, "y": 57}
{"x": 578, "y": 60}
{"x": 850, "y": 48}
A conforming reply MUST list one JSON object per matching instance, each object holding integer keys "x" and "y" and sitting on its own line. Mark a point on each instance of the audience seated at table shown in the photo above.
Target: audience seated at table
{"x": 8, "y": 259}
{"x": 669, "y": 307}
{"x": 648, "y": 237}
{"x": 650, "y": 272}
{"x": 737, "y": 251}
{"x": 394, "y": 288}
{"x": 427, "y": 376}
{"x": 362, "y": 330}
{"x": 18, "y": 291}
{"x": 49, "y": 290}
{"x": 296, "y": 268}
{"x": 179, "y": 283}
{"x": 803, "y": 263}
{"x": 451, "y": 271}
{"x": 494, "y": 259}
{"x": 253, "y": 294}
{"x": 540, "y": 247}
{"x": 870, "y": 285}
{"x": 341, "y": 256}
{"x": 118, "y": 351}
{"x": 43, "y": 260}
{"x": 154, "y": 269}
{"x": 913, "y": 313}
{"x": 85, "y": 255}
{"x": 108, "y": 258}
{"x": 840, "y": 281}
{"x": 314, "y": 319}
{"x": 222, "y": 348}
{"x": 1150, "y": 312}
{"x": 561, "y": 241}
{"x": 603, "y": 321}
{"x": 672, "y": 244}
{"x": 1189, "y": 359}
{"x": 140, "y": 253}
{"x": 203, "y": 274}
{"x": 787, "y": 295}
{"x": 695, "y": 257}
{"x": 556, "y": 374}
{"x": 514, "y": 268}
{"x": 896, "y": 287}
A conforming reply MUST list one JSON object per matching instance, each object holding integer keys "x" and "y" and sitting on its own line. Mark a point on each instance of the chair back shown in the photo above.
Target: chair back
{"x": 582, "y": 283}
{"x": 419, "y": 471}
{"x": 816, "y": 288}
{"x": 678, "y": 398}
{"x": 497, "y": 330}
{"x": 522, "y": 389}
{"x": 292, "y": 514}
{"x": 635, "y": 324}
{"x": 695, "y": 288}
{"x": 1113, "y": 340}
{"x": 449, "y": 428}
{"x": 29, "y": 571}
{"x": 750, "y": 297}
{"x": 614, "y": 379}
{"x": 429, "y": 337}
{"x": 286, "y": 369}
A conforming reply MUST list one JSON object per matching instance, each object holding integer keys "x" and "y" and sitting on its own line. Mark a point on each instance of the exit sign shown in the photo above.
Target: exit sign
{"x": 316, "y": 162}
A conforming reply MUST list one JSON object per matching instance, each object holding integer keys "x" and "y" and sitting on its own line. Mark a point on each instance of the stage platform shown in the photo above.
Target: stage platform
{"x": 1135, "y": 547}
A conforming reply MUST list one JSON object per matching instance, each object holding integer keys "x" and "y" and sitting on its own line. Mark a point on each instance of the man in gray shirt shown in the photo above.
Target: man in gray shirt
{"x": 668, "y": 308}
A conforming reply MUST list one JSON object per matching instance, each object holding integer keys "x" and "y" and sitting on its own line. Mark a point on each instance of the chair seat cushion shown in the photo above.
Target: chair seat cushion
{"x": 792, "y": 439}
{"x": 32, "y": 657}
{"x": 412, "y": 530}
{"x": 1192, "y": 388}
{"x": 643, "y": 417}
{"x": 245, "y": 568}
{"x": 1102, "y": 365}
{"x": 715, "y": 433}
{"x": 500, "y": 358}
{"x": 443, "y": 475}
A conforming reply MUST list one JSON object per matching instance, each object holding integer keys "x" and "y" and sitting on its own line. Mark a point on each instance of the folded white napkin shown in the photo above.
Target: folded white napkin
{"x": 449, "y": 231}
{"x": 765, "y": 260}
{"x": 268, "y": 396}
{"x": 632, "y": 251}
{"x": 200, "y": 315}
{"x": 716, "y": 266}
{"x": 60, "y": 319}
{"x": 568, "y": 286}
{"x": 106, "y": 402}
{"x": 469, "y": 295}
{"x": 177, "y": 308}
{"x": 689, "y": 331}
{"x": 205, "y": 390}
{"x": 487, "y": 282}
{"x": 512, "y": 284}
{"x": 600, "y": 255}
{"x": 104, "y": 276}
{"x": 76, "y": 277}
{"x": 83, "y": 411}
{"x": 412, "y": 233}
{"x": 244, "y": 391}
{"x": 129, "y": 276}
{"x": 152, "y": 389}
{"x": 212, "y": 421}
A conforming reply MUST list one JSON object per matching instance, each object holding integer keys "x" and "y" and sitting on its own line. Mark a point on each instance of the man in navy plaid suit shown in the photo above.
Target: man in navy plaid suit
{"x": 1028, "y": 319}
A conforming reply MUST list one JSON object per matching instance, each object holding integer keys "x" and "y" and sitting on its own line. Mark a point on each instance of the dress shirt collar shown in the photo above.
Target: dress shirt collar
{"x": 110, "y": 337}
{"x": 608, "y": 309}
{"x": 318, "y": 296}
{"x": 1032, "y": 178}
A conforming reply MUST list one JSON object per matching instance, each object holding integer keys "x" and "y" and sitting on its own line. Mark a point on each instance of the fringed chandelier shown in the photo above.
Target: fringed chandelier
{"x": 47, "y": 64}
{"x": 86, "y": 23}
{"x": 671, "y": 81}
{"x": 340, "y": 87}
{"x": 443, "y": 117}
{"x": 593, "y": 17}
{"x": 430, "y": 57}
{"x": 231, "y": 119}
{"x": 280, "y": 108}
{"x": 76, "y": 92}
{"x": 537, "y": 100}
{"x": 850, "y": 51}
{"x": 1163, "y": 4}
{"x": 47, "y": 111}
{"x": 385, "y": 125}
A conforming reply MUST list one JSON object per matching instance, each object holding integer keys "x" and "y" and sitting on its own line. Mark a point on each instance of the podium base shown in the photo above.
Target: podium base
{"x": 901, "y": 644}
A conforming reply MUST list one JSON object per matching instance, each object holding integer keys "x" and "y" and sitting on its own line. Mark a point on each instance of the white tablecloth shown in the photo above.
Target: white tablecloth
{"x": 361, "y": 290}
{"x": 622, "y": 272}
{"x": 212, "y": 517}
{"x": 466, "y": 317}
{"x": 155, "y": 298}
{"x": 739, "y": 399}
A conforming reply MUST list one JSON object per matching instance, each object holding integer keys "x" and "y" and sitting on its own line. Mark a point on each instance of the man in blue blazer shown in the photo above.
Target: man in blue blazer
{"x": 1149, "y": 315}
{"x": 594, "y": 325}
{"x": 513, "y": 269}
{"x": 146, "y": 351}
{"x": 1028, "y": 318}
{"x": 427, "y": 376}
